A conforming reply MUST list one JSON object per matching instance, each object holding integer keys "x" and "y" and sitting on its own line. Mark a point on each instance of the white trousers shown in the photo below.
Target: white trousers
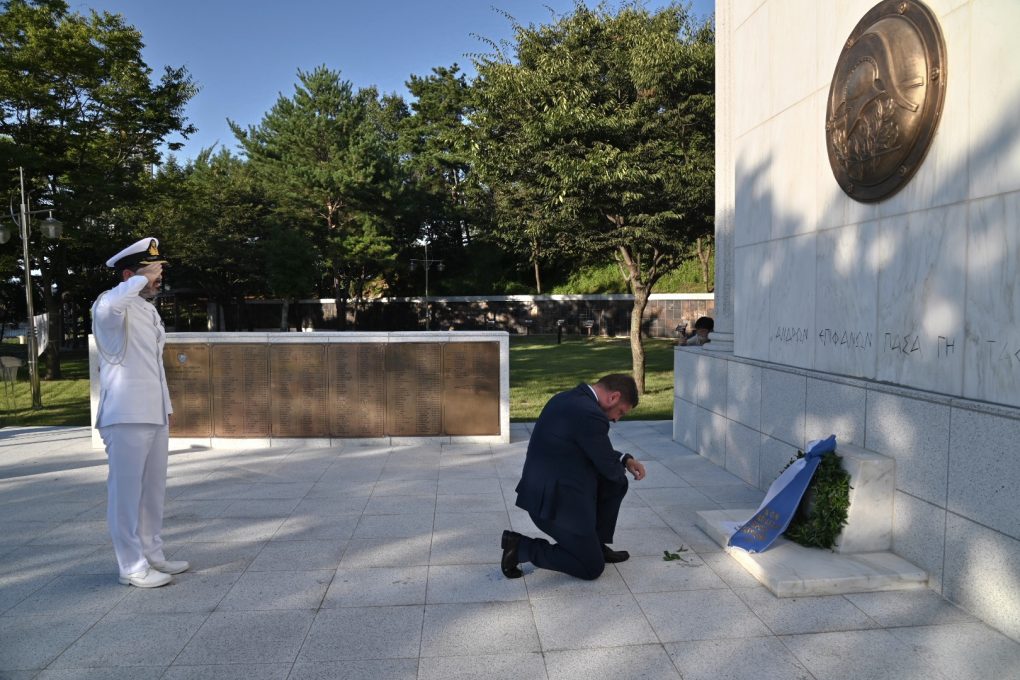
{"x": 136, "y": 488}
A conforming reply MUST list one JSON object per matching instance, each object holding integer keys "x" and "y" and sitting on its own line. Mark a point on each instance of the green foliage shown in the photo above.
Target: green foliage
{"x": 327, "y": 158}
{"x": 435, "y": 143}
{"x": 592, "y": 142}
{"x": 80, "y": 111}
{"x": 598, "y": 141}
{"x": 593, "y": 280}
{"x": 686, "y": 278}
{"x": 505, "y": 287}
{"x": 290, "y": 264}
{"x": 290, "y": 267}
{"x": 211, "y": 216}
{"x": 607, "y": 279}
{"x": 447, "y": 207}
{"x": 822, "y": 513}
{"x": 603, "y": 128}
{"x": 668, "y": 556}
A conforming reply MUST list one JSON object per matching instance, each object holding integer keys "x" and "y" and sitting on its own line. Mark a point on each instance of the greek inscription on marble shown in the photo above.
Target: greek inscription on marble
{"x": 913, "y": 345}
{"x": 790, "y": 334}
{"x": 946, "y": 346}
{"x": 845, "y": 339}
{"x": 908, "y": 344}
{"x": 1003, "y": 351}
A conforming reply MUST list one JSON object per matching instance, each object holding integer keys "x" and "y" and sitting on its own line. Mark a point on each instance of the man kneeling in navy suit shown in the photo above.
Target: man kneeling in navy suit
{"x": 573, "y": 481}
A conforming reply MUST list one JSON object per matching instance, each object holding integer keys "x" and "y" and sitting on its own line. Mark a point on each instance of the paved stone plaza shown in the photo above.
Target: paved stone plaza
{"x": 381, "y": 562}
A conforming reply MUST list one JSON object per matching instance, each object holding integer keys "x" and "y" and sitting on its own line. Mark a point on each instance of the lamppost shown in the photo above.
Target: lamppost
{"x": 50, "y": 228}
{"x": 427, "y": 264}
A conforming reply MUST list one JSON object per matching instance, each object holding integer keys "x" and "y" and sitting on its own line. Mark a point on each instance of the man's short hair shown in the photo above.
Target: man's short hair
{"x": 622, "y": 383}
{"x": 705, "y": 322}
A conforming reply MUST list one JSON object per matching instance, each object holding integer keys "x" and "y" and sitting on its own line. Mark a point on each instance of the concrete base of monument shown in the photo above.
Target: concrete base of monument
{"x": 791, "y": 570}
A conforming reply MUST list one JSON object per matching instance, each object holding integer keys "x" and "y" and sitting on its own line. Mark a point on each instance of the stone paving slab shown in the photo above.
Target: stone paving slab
{"x": 372, "y": 561}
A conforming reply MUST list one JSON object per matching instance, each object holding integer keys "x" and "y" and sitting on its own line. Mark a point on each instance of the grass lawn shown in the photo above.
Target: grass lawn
{"x": 65, "y": 401}
{"x": 539, "y": 368}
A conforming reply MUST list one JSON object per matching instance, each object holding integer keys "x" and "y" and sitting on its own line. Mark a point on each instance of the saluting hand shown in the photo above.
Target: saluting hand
{"x": 153, "y": 272}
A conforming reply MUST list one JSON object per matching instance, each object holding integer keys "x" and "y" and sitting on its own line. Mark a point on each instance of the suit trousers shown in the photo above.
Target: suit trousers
{"x": 578, "y": 555}
{"x": 136, "y": 489}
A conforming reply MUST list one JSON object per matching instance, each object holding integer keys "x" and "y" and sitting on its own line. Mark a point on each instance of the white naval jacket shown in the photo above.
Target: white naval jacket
{"x": 130, "y": 338}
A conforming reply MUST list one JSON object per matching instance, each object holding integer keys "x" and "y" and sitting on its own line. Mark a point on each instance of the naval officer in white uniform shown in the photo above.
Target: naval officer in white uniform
{"x": 134, "y": 414}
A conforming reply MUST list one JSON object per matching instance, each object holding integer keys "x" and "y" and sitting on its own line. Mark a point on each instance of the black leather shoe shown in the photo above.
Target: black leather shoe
{"x": 614, "y": 556}
{"x": 511, "y": 539}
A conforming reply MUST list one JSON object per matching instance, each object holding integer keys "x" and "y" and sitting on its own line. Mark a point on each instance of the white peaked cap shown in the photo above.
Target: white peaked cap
{"x": 143, "y": 251}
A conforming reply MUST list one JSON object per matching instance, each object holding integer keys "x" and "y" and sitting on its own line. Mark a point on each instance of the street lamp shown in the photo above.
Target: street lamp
{"x": 50, "y": 228}
{"x": 427, "y": 264}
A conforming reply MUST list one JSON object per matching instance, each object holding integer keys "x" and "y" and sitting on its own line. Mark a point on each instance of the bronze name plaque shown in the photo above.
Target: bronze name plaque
{"x": 414, "y": 389}
{"x": 885, "y": 99}
{"x": 357, "y": 389}
{"x": 187, "y": 377}
{"x": 299, "y": 391}
{"x": 470, "y": 388}
{"x": 240, "y": 389}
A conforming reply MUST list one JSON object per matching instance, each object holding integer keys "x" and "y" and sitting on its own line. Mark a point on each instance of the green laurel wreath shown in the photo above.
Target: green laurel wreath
{"x": 822, "y": 512}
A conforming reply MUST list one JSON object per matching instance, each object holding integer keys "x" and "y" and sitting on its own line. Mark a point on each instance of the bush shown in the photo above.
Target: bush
{"x": 607, "y": 279}
{"x": 513, "y": 288}
{"x": 686, "y": 278}
{"x": 593, "y": 281}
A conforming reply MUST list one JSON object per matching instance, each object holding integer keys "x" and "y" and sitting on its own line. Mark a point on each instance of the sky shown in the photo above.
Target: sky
{"x": 243, "y": 54}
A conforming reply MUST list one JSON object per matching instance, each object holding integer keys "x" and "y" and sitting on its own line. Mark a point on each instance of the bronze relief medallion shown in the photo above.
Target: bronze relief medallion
{"x": 886, "y": 99}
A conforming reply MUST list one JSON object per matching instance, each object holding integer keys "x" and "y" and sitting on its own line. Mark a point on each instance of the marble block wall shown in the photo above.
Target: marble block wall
{"x": 916, "y": 290}
{"x": 872, "y": 488}
{"x": 957, "y": 465}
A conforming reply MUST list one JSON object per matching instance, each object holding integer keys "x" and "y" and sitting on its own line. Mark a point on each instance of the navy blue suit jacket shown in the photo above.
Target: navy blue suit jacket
{"x": 568, "y": 451}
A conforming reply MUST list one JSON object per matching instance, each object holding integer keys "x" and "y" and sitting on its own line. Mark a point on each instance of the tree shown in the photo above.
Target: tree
{"x": 703, "y": 247}
{"x": 436, "y": 146}
{"x": 324, "y": 157}
{"x": 515, "y": 162}
{"x": 213, "y": 220}
{"x": 79, "y": 111}
{"x": 290, "y": 268}
{"x": 436, "y": 151}
{"x": 603, "y": 130}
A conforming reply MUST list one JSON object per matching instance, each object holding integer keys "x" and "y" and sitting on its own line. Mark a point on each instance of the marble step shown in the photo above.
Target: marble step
{"x": 872, "y": 490}
{"x": 791, "y": 570}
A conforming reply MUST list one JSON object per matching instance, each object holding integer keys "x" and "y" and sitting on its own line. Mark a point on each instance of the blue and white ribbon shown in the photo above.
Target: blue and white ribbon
{"x": 784, "y": 495}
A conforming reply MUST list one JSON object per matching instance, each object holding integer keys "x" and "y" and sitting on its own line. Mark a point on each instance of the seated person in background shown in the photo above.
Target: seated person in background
{"x": 702, "y": 327}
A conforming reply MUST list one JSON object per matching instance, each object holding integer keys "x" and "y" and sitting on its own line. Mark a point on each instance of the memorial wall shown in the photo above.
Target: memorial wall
{"x": 909, "y": 289}
{"x": 888, "y": 318}
{"x": 329, "y": 386}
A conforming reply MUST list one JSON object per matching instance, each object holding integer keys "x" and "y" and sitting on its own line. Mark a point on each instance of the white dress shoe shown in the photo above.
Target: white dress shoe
{"x": 168, "y": 567}
{"x": 150, "y": 578}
